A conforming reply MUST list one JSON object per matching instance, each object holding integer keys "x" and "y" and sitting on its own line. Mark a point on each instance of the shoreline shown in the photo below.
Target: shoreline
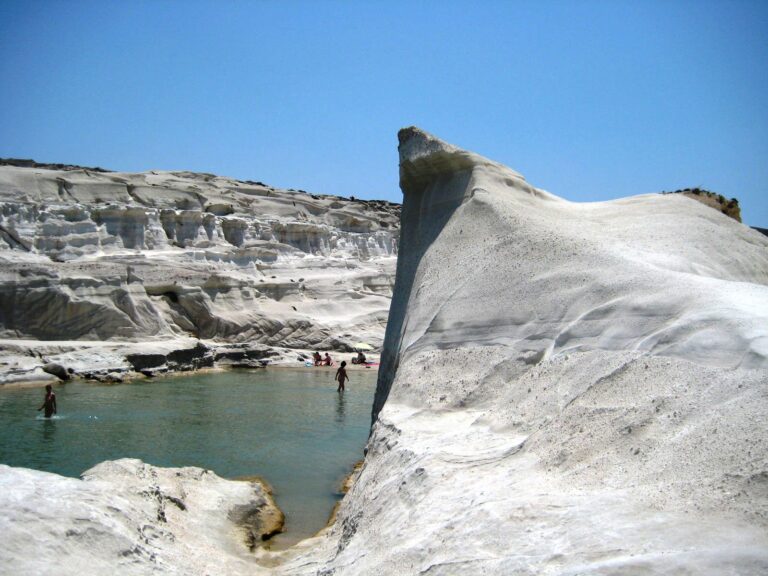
{"x": 345, "y": 486}
{"x": 34, "y": 363}
{"x": 271, "y": 543}
{"x": 273, "y": 546}
{"x": 21, "y": 384}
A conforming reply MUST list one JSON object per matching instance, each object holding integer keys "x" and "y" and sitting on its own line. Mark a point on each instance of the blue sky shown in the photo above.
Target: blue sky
{"x": 590, "y": 100}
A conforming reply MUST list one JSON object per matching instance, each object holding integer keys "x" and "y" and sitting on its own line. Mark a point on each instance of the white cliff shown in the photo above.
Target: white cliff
{"x": 92, "y": 256}
{"x": 565, "y": 389}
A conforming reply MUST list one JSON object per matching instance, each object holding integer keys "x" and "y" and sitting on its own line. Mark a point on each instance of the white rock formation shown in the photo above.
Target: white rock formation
{"x": 127, "y": 517}
{"x": 93, "y": 256}
{"x": 565, "y": 388}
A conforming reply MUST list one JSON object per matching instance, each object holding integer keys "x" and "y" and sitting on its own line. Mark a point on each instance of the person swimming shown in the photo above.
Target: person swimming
{"x": 50, "y": 402}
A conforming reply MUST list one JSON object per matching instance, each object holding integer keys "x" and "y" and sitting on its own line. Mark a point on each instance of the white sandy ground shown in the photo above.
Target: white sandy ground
{"x": 565, "y": 389}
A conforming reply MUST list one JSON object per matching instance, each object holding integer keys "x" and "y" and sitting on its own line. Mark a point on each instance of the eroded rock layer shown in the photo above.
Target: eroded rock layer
{"x": 105, "y": 256}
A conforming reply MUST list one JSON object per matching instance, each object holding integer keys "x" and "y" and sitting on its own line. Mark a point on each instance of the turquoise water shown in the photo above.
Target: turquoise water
{"x": 290, "y": 427}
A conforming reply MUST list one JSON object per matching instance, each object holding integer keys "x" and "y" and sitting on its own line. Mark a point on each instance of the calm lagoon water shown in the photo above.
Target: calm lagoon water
{"x": 290, "y": 427}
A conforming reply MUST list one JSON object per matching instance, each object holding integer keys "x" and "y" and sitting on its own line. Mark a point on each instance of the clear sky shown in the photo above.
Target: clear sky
{"x": 588, "y": 99}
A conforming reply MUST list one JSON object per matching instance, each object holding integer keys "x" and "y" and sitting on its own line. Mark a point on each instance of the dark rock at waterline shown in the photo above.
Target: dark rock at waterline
{"x": 57, "y": 370}
{"x": 182, "y": 360}
{"x": 245, "y": 355}
{"x": 258, "y": 520}
{"x": 191, "y": 358}
{"x": 141, "y": 362}
{"x": 242, "y": 355}
{"x": 248, "y": 364}
{"x": 107, "y": 376}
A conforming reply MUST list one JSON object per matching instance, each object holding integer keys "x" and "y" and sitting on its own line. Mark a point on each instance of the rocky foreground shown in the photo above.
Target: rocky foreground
{"x": 108, "y": 275}
{"x": 565, "y": 389}
{"x": 128, "y": 517}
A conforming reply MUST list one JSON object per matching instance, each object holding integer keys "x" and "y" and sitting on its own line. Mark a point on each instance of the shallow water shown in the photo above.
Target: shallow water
{"x": 290, "y": 427}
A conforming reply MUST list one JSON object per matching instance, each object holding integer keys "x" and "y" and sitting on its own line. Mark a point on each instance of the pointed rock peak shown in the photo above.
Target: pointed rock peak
{"x": 424, "y": 157}
{"x": 415, "y": 144}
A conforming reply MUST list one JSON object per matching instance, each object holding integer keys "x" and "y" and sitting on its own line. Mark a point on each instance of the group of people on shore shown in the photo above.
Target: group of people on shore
{"x": 320, "y": 361}
{"x": 341, "y": 374}
{"x": 328, "y": 361}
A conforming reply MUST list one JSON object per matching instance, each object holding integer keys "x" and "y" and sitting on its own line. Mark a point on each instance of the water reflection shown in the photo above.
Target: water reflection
{"x": 49, "y": 429}
{"x": 341, "y": 404}
{"x": 47, "y": 448}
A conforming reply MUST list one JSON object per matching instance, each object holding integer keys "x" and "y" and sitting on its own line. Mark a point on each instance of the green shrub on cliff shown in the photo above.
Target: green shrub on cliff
{"x": 717, "y": 201}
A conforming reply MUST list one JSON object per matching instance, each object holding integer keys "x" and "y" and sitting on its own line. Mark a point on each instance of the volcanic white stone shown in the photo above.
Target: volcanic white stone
{"x": 127, "y": 517}
{"x": 166, "y": 256}
{"x": 565, "y": 388}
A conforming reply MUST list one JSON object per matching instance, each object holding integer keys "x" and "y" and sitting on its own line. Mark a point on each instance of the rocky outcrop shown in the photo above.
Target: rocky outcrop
{"x": 128, "y": 517}
{"x": 28, "y": 361}
{"x": 243, "y": 355}
{"x": 177, "y": 360}
{"x": 565, "y": 388}
{"x": 108, "y": 256}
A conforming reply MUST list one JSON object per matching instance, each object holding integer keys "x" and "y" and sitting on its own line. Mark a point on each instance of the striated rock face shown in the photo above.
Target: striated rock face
{"x": 565, "y": 388}
{"x": 88, "y": 255}
{"x": 127, "y": 517}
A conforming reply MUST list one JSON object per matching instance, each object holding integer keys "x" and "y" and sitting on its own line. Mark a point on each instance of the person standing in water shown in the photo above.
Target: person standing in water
{"x": 49, "y": 403}
{"x": 341, "y": 376}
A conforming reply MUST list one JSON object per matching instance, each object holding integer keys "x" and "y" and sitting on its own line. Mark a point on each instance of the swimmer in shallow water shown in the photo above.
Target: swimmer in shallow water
{"x": 341, "y": 376}
{"x": 50, "y": 402}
